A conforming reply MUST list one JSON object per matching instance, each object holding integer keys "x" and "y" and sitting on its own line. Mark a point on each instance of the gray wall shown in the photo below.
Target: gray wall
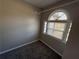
{"x": 72, "y": 48}
{"x": 19, "y": 24}
{"x": 53, "y": 42}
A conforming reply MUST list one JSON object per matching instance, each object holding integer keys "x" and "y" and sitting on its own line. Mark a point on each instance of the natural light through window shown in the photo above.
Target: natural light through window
{"x": 56, "y": 29}
{"x": 58, "y": 16}
{"x": 57, "y": 25}
{"x": 45, "y": 23}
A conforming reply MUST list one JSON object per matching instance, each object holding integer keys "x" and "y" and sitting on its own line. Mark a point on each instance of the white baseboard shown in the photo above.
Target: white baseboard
{"x": 17, "y": 47}
{"x": 51, "y": 48}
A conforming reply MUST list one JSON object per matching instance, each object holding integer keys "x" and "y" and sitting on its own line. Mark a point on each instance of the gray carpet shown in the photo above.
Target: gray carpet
{"x": 36, "y": 50}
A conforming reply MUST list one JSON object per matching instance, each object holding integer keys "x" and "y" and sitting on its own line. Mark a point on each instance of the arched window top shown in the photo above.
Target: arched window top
{"x": 58, "y": 15}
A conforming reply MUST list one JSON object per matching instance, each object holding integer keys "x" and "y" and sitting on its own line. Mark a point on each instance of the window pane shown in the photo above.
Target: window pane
{"x": 58, "y": 34}
{"x": 56, "y": 29}
{"x": 45, "y": 25}
{"x": 60, "y": 26}
{"x": 63, "y": 17}
{"x": 52, "y": 18}
{"x": 50, "y": 28}
{"x": 51, "y": 25}
{"x": 58, "y": 16}
{"x": 50, "y": 31}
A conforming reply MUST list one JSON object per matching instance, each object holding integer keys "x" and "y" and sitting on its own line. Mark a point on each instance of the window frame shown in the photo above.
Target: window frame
{"x": 67, "y": 26}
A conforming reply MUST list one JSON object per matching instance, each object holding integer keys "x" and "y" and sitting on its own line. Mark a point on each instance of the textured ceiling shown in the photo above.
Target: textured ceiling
{"x": 41, "y": 3}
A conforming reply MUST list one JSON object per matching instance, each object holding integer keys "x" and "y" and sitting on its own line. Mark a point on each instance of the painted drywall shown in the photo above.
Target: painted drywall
{"x": 0, "y": 24}
{"x": 53, "y": 42}
{"x": 72, "y": 48}
{"x": 19, "y": 24}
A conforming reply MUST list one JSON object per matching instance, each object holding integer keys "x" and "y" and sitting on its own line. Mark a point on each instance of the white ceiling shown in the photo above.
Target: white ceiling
{"x": 41, "y": 3}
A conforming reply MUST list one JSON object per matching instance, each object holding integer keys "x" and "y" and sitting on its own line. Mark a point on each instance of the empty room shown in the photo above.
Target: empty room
{"x": 39, "y": 29}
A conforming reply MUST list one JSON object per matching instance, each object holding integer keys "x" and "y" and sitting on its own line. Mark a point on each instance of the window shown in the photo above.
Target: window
{"x": 58, "y": 25}
{"x": 58, "y": 16}
{"x": 45, "y": 24}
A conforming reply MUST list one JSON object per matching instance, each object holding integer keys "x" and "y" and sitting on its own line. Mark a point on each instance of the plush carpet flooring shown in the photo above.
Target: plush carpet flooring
{"x": 36, "y": 50}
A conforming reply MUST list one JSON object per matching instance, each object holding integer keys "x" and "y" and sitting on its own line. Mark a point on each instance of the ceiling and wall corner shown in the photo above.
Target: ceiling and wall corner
{"x": 41, "y": 3}
{"x": 61, "y": 2}
{"x": 46, "y": 4}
